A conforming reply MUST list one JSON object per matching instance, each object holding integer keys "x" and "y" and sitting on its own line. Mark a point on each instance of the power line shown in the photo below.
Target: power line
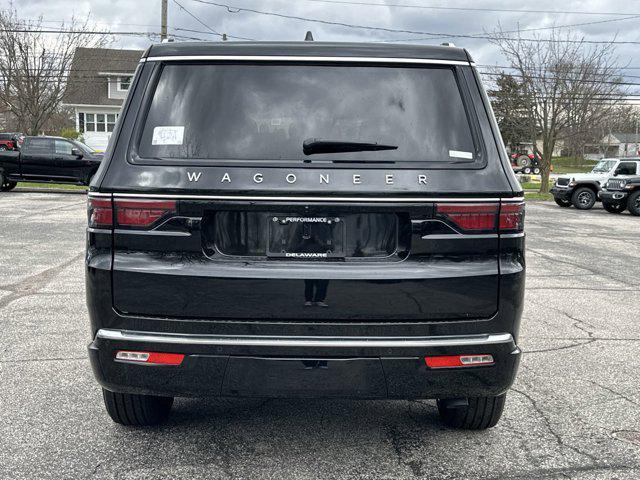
{"x": 205, "y": 25}
{"x": 469, "y": 9}
{"x": 433, "y": 35}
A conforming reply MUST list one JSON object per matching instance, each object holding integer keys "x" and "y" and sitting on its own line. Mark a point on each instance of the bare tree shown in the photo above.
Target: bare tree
{"x": 567, "y": 84}
{"x": 34, "y": 66}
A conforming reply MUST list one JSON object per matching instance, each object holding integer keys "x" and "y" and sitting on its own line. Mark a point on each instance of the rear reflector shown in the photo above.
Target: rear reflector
{"x": 142, "y": 213}
{"x": 100, "y": 213}
{"x": 150, "y": 358}
{"x": 452, "y": 361}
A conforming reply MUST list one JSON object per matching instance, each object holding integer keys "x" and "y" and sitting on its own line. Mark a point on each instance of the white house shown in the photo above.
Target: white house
{"x": 98, "y": 84}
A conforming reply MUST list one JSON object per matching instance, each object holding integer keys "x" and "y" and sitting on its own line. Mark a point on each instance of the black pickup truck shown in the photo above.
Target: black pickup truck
{"x": 48, "y": 159}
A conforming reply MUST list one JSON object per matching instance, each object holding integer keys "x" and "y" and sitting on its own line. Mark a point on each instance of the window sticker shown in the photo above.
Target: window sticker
{"x": 459, "y": 154}
{"x": 167, "y": 135}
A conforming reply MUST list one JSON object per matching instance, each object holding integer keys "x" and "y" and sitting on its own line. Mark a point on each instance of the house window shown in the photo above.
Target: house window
{"x": 90, "y": 122}
{"x": 97, "y": 122}
{"x": 111, "y": 121}
{"x": 100, "y": 122}
{"x": 124, "y": 83}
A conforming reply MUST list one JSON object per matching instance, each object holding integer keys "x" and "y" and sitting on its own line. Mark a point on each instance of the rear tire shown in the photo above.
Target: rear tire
{"x": 526, "y": 170}
{"x": 536, "y": 171}
{"x": 633, "y": 203}
{"x": 583, "y": 198}
{"x": 481, "y": 412}
{"x": 561, "y": 202}
{"x": 614, "y": 207}
{"x": 523, "y": 160}
{"x": 136, "y": 410}
{"x": 6, "y": 185}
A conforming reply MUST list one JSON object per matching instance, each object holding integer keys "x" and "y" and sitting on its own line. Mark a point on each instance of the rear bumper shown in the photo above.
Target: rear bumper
{"x": 261, "y": 366}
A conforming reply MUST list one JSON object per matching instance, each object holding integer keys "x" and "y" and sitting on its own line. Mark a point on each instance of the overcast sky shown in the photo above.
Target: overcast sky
{"x": 614, "y": 19}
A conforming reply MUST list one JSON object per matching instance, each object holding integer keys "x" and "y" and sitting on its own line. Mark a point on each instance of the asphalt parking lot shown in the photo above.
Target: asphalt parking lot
{"x": 574, "y": 411}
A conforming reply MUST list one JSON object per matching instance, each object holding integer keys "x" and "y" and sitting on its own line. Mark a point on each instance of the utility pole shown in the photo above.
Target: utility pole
{"x": 163, "y": 21}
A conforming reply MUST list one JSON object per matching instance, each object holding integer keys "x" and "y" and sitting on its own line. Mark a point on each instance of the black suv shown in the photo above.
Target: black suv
{"x": 305, "y": 220}
{"x": 619, "y": 194}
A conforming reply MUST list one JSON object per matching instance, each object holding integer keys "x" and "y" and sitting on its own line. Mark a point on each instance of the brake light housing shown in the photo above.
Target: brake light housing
{"x": 127, "y": 213}
{"x": 478, "y": 218}
{"x": 100, "y": 213}
{"x": 511, "y": 217}
{"x": 142, "y": 213}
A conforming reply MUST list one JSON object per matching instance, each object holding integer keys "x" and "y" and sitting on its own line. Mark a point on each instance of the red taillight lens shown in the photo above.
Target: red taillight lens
{"x": 100, "y": 213}
{"x": 484, "y": 217}
{"x": 155, "y": 358}
{"x": 142, "y": 213}
{"x": 470, "y": 216}
{"x": 454, "y": 361}
{"x": 512, "y": 217}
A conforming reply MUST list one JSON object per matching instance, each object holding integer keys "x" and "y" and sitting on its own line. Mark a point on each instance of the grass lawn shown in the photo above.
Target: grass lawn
{"x": 63, "y": 186}
{"x": 571, "y": 165}
{"x": 538, "y": 196}
{"x": 562, "y": 169}
{"x": 534, "y": 185}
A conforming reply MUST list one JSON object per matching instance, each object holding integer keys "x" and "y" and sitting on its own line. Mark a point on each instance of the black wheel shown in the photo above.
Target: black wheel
{"x": 480, "y": 412}
{"x": 523, "y": 160}
{"x": 3, "y": 148}
{"x": 536, "y": 171}
{"x": 562, "y": 202}
{"x": 633, "y": 203}
{"x": 136, "y": 410}
{"x": 526, "y": 170}
{"x": 6, "y": 185}
{"x": 614, "y": 207}
{"x": 583, "y": 198}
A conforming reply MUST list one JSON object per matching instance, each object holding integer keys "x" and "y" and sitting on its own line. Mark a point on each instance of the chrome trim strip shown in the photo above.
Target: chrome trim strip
{"x": 303, "y": 199}
{"x": 300, "y": 58}
{"x": 513, "y": 199}
{"x": 98, "y": 194}
{"x": 512, "y": 235}
{"x": 345, "y": 342}
{"x": 458, "y": 236}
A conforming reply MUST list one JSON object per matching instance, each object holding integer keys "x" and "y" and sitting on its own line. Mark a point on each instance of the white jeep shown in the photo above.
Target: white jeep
{"x": 581, "y": 189}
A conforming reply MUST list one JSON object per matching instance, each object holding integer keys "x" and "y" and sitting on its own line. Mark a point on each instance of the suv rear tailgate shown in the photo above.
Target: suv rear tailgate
{"x": 386, "y": 262}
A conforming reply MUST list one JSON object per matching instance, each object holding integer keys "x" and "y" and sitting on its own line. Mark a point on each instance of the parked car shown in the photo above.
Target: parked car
{"x": 301, "y": 236}
{"x": 619, "y": 194}
{"x": 10, "y": 141}
{"x": 48, "y": 159}
{"x": 581, "y": 189}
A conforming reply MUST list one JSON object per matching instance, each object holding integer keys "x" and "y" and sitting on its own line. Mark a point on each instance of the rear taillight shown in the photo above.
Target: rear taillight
{"x": 100, "y": 213}
{"x": 142, "y": 213}
{"x": 474, "y": 217}
{"x": 511, "y": 217}
{"x": 483, "y": 217}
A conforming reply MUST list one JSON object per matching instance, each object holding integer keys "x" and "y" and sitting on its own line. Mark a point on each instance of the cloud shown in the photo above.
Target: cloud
{"x": 144, "y": 15}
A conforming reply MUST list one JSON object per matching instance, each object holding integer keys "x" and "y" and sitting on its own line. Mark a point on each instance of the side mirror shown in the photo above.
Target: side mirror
{"x": 77, "y": 152}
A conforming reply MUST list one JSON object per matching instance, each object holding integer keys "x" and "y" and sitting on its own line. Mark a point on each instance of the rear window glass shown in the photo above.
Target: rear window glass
{"x": 266, "y": 112}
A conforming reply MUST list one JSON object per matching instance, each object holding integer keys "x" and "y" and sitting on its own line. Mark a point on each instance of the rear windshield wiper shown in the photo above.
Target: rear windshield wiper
{"x": 311, "y": 146}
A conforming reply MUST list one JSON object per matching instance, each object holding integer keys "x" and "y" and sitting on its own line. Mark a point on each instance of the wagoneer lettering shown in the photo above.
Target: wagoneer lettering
{"x": 335, "y": 204}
